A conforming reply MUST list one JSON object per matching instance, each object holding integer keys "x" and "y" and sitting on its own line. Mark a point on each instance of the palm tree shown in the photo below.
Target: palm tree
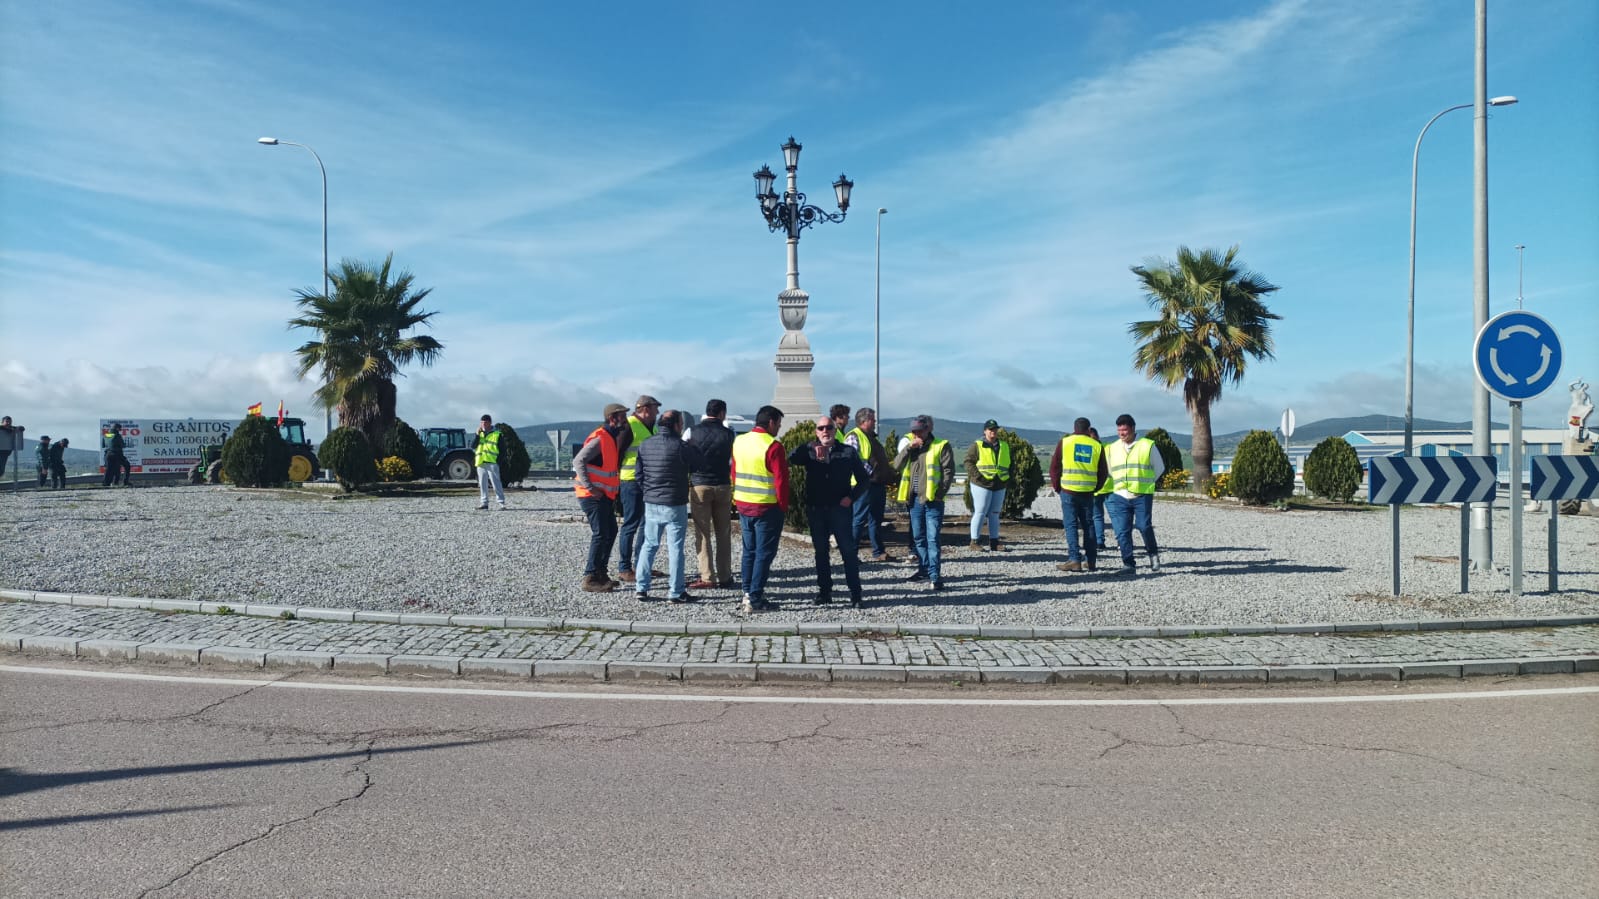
{"x": 361, "y": 343}
{"x": 1211, "y": 323}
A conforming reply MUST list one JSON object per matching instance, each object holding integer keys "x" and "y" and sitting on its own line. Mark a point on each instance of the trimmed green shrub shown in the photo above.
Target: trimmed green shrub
{"x": 402, "y": 441}
{"x": 1220, "y": 485}
{"x": 1332, "y": 470}
{"x": 1026, "y": 476}
{"x": 393, "y": 468}
{"x": 1261, "y": 472}
{"x": 1170, "y": 454}
{"x": 347, "y": 454}
{"x": 514, "y": 460}
{"x": 255, "y": 454}
{"x": 795, "y": 437}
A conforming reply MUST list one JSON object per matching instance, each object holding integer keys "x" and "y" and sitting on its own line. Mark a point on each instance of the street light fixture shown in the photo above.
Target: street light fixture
{"x": 877, "y": 321}
{"x": 790, "y": 214}
{"x": 1410, "y": 319}
{"x": 274, "y": 142}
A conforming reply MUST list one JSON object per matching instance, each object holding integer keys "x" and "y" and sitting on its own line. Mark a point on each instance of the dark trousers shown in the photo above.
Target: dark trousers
{"x": 868, "y": 516}
{"x": 1081, "y": 507}
{"x": 600, "y": 510}
{"x": 58, "y": 477}
{"x": 632, "y": 535}
{"x": 116, "y": 467}
{"x": 838, "y": 523}
{"x": 760, "y": 535}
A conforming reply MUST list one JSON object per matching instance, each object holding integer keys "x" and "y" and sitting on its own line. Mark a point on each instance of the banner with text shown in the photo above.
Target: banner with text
{"x": 163, "y": 445}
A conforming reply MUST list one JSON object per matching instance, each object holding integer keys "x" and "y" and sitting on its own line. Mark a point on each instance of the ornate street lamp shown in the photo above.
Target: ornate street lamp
{"x": 791, "y": 214}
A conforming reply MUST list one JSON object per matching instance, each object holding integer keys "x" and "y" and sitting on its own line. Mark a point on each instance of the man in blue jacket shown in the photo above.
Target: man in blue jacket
{"x": 835, "y": 480}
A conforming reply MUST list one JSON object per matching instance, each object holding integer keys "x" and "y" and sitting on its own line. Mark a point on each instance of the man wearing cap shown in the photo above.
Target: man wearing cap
{"x": 760, "y": 493}
{"x": 835, "y": 480}
{"x": 663, "y": 469}
{"x": 116, "y": 457}
{"x": 1077, "y": 471}
{"x": 869, "y": 508}
{"x": 927, "y": 469}
{"x": 596, "y": 469}
{"x": 1135, "y": 467}
{"x": 42, "y": 453}
{"x": 642, "y": 425}
{"x": 486, "y": 455}
{"x": 988, "y": 474}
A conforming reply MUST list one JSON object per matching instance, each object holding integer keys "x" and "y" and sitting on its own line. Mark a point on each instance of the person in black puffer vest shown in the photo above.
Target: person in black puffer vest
{"x": 663, "y": 479}
{"x": 710, "y": 498}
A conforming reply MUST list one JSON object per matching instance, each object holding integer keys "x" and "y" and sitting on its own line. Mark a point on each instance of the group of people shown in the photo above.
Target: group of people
{"x": 660, "y": 474}
{"x": 117, "y": 467}
{"x": 52, "y": 462}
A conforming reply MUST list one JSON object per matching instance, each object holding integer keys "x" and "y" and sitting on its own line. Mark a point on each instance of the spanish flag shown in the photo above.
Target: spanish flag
{"x": 253, "y": 410}
{"x": 280, "y": 413}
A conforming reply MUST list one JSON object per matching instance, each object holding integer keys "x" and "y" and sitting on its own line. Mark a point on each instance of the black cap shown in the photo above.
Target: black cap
{"x": 991, "y": 425}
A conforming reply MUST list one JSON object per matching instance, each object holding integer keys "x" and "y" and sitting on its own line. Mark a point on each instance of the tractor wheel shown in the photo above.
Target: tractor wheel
{"x": 214, "y": 473}
{"x": 1570, "y": 506}
{"x": 300, "y": 468}
{"x": 458, "y": 468}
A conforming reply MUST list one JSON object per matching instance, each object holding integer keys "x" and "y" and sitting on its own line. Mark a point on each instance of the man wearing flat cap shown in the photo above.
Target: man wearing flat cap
{"x": 927, "y": 470}
{"x": 642, "y": 426}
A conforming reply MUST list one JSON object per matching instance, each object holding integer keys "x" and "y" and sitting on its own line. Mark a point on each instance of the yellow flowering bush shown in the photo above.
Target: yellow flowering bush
{"x": 393, "y": 468}
{"x": 1220, "y": 485}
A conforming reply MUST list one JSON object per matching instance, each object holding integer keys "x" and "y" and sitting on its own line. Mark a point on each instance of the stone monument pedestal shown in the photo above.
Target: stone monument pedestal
{"x": 794, "y": 394}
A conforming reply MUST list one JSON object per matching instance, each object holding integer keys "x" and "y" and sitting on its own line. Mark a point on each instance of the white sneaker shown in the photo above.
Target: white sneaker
{"x": 1154, "y": 561}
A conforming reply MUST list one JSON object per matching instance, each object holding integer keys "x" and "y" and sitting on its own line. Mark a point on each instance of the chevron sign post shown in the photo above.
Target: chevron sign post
{"x": 1400, "y": 480}
{"x": 1556, "y": 478}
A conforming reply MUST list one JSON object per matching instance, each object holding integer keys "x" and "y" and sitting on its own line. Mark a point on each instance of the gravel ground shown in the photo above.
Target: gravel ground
{"x": 1224, "y": 564}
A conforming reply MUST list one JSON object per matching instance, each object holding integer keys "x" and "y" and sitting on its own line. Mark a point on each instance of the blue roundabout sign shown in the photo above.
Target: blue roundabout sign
{"x": 1517, "y": 355}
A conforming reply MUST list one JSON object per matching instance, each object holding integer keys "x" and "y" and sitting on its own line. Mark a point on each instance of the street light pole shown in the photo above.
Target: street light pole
{"x": 1521, "y": 253}
{"x": 1410, "y": 314}
{"x": 274, "y": 142}
{"x": 877, "y": 322}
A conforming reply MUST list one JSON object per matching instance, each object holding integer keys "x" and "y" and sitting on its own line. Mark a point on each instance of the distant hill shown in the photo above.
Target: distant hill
{"x": 75, "y": 459}
{"x": 1317, "y": 431}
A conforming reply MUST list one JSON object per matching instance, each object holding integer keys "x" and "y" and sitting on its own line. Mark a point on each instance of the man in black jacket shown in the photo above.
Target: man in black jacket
{"x": 834, "y": 480}
{"x": 710, "y": 498}
{"x": 664, "y": 462}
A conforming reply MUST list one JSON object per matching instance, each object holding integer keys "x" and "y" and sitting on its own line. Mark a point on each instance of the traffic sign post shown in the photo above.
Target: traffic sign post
{"x": 1288, "y": 434}
{"x": 1557, "y": 478}
{"x": 1401, "y": 480}
{"x": 1517, "y": 356}
{"x": 558, "y": 438}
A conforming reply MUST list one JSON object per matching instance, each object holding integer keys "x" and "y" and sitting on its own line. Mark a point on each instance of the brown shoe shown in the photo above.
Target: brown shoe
{"x": 999, "y": 547}
{"x": 884, "y": 557}
{"x": 596, "y": 584}
{"x": 626, "y": 577}
{"x": 702, "y": 585}
{"x": 1070, "y": 566}
{"x": 974, "y": 546}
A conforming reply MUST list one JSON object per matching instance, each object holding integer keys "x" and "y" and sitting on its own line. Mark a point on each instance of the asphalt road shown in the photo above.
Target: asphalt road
{"x": 222, "y": 787}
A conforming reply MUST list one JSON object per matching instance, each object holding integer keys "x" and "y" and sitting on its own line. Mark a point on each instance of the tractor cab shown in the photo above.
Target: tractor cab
{"x": 449, "y": 455}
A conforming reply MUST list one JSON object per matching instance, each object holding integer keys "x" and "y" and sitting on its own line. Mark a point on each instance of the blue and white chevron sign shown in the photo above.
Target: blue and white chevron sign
{"x": 1432, "y": 479}
{"x": 1565, "y": 477}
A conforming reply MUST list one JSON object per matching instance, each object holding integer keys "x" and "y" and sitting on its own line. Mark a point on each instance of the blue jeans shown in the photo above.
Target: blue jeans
{"x": 674, "y": 521}
{"x": 1099, "y": 518}
{"x": 630, "y": 538}
{"x": 488, "y": 476}
{"x": 927, "y": 519}
{"x": 868, "y": 515}
{"x": 600, "y": 510}
{"x": 835, "y": 522}
{"x": 1077, "y": 516}
{"x": 760, "y": 535}
{"x": 986, "y": 504}
{"x": 1126, "y": 514}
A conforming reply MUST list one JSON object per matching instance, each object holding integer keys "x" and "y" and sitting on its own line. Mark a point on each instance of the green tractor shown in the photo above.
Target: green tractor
{"x": 449, "y": 454}
{"x": 303, "y": 464}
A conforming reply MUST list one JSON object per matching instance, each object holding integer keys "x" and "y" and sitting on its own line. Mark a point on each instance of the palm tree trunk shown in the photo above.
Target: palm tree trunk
{"x": 1203, "y": 449}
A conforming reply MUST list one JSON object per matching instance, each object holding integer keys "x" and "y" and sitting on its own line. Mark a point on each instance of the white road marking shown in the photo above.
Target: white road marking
{"x": 801, "y": 700}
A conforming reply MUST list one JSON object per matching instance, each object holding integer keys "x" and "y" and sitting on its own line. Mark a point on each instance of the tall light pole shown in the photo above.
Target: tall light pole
{"x": 790, "y": 214}
{"x": 1521, "y": 255}
{"x": 877, "y": 322}
{"x": 1410, "y": 314}
{"x": 274, "y": 142}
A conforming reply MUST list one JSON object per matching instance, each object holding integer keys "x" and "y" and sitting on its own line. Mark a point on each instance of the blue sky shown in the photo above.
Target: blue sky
{"x": 573, "y": 181}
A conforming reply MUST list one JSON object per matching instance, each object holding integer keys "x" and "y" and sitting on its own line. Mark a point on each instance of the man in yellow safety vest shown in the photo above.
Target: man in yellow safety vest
{"x": 988, "y": 475}
{"x": 486, "y": 456}
{"x": 631, "y": 538}
{"x": 1135, "y": 468}
{"x": 760, "y": 494}
{"x": 927, "y": 470}
{"x": 1076, "y": 473}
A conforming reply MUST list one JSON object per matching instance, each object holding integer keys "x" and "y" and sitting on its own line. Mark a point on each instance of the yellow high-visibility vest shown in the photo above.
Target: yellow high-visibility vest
{"x": 641, "y": 433}
{"x": 752, "y": 480}
{"x": 488, "y": 448}
{"x": 1130, "y": 467}
{"x": 991, "y": 464}
{"x": 1079, "y": 463}
{"x": 931, "y": 472}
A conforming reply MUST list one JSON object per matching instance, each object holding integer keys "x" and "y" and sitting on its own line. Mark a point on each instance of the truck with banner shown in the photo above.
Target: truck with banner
{"x": 164, "y": 445}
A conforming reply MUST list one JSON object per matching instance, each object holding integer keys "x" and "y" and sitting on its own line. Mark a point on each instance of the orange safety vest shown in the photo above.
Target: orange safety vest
{"x": 605, "y": 476}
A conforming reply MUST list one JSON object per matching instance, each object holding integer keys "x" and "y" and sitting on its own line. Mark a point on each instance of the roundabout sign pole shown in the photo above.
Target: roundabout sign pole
{"x": 1517, "y": 356}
